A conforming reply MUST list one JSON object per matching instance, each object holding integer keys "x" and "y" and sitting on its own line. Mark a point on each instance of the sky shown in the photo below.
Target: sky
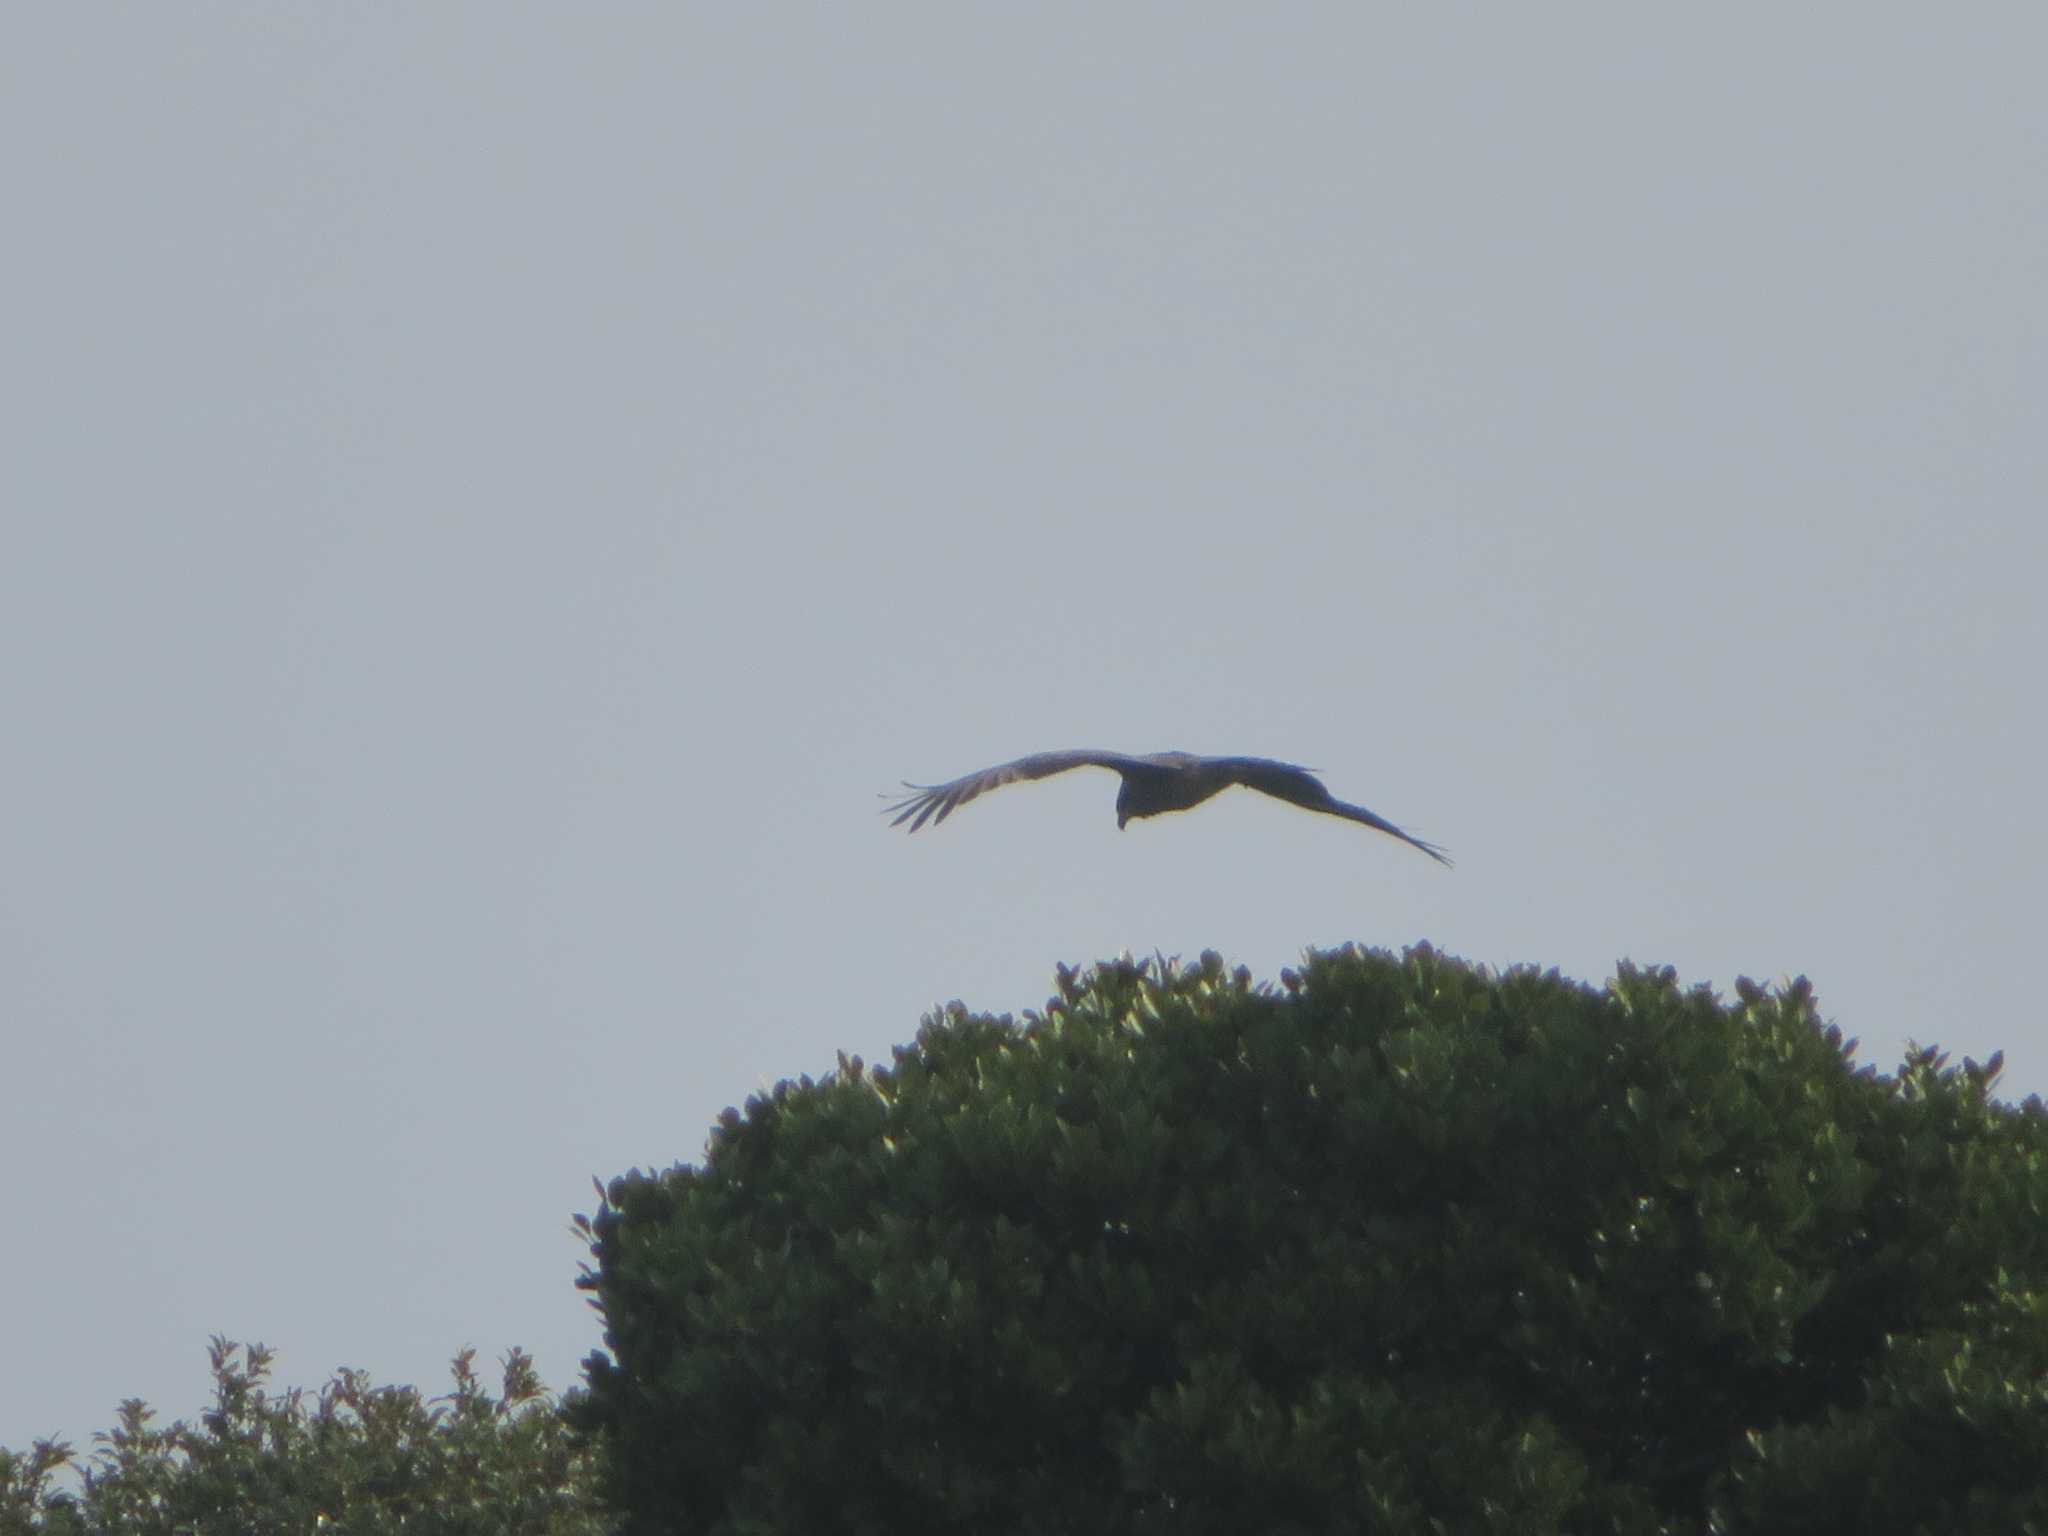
{"x": 492, "y": 493}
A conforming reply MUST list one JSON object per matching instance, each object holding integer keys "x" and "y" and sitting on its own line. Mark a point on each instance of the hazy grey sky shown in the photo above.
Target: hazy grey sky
{"x": 492, "y": 492}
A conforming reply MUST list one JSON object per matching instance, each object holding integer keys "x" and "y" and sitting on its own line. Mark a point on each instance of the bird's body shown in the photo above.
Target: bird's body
{"x": 1153, "y": 784}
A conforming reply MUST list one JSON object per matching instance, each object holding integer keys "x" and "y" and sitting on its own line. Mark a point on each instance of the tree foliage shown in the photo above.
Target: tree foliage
{"x": 356, "y": 1460}
{"x": 1401, "y": 1245}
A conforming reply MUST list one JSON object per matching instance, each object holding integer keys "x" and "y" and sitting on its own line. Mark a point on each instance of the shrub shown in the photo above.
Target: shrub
{"x": 356, "y": 1460}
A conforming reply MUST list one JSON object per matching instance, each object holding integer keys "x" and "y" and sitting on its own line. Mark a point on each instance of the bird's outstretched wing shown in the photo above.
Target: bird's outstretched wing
{"x": 1297, "y": 786}
{"x": 935, "y": 802}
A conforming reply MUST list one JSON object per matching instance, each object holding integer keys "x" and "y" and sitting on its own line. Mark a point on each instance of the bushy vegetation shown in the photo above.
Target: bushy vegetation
{"x": 1402, "y": 1245}
{"x": 1398, "y": 1245}
{"x": 354, "y": 1459}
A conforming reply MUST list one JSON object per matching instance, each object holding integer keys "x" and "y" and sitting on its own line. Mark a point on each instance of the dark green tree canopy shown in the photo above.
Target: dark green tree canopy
{"x": 1400, "y": 1245}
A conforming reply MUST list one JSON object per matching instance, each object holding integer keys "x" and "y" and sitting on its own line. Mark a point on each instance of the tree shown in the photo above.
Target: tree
{"x": 1402, "y": 1245}
{"x": 357, "y": 1459}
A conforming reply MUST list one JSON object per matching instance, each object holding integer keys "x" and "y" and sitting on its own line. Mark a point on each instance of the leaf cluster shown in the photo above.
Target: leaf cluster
{"x": 1400, "y": 1245}
{"x": 353, "y": 1460}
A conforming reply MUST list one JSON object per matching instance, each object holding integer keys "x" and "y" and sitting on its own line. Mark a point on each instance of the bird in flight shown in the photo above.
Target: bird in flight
{"x": 1154, "y": 784}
